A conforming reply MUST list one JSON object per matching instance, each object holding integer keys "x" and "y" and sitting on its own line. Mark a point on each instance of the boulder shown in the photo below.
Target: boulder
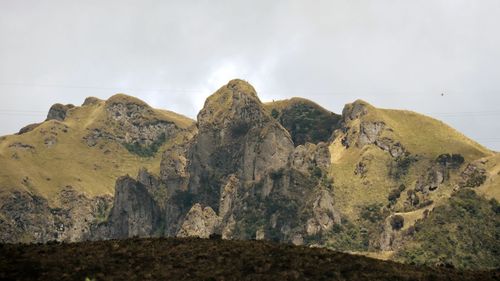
{"x": 199, "y": 222}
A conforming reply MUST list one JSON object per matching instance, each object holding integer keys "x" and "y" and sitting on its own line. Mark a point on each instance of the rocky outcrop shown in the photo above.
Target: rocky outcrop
{"x": 229, "y": 194}
{"x": 355, "y": 110}
{"x": 132, "y": 123}
{"x": 235, "y": 136}
{"x": 360, "y": 132}
{"x": 23, "y": 146}
{"x": 369, "y": 132}
{"x": 26, "y": 217}
{"x": 324, "y": 214}
{"x": 174, "y": 167}
{"x": 430, "y": 181}
{"x": 73, "y": 220}
{"x": 199, "y": 222}
{"x": 134, "y": 212}
{"x": 324, "y": 210}
{"x": 28, "y": 128}
{"x": 473, "y": 175}
{"x": 308, "y": 157}
{"x": 394, "y": 148}
{"x": 59, "y": 111}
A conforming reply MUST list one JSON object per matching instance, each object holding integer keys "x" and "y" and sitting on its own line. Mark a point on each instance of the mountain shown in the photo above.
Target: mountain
{"x": 389, "y": 184}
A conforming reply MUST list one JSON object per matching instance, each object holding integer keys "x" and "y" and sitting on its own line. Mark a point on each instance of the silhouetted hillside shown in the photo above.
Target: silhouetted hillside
{"x": 205, "y": 259}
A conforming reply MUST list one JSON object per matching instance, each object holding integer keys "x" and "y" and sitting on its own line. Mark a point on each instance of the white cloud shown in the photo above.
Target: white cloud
{"x": 399, "y": 54}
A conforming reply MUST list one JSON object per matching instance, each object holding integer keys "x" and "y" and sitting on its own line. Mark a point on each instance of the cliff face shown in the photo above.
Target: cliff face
{"x": 134, "y": 212}
{"x": 288, "y": 171}
{"x": 236, "y": 137}
{"x": 30, "y": 218}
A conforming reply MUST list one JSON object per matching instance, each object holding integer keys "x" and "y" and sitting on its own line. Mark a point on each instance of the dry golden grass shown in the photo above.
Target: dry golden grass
{"x": 429, "y": 137}
{"x": 491, "y": 188}
{"x": 420, "y": 135}
{"x": 71, "y": 162}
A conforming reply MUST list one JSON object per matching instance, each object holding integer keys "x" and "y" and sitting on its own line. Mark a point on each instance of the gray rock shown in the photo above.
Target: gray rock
{"x": 199, "y": 222}
{"x": 134, "y": 212}
{"x": 324, "y": 214}
{"x": 28, "y": 128}
{"x": 26, "y": 217}
{"x": 354, "y": 110}
{"x": 369, "y": 132}
{"x": 236, "y": 136}
{"x": 58, "y": 111}
{"x": 229, "y": 194}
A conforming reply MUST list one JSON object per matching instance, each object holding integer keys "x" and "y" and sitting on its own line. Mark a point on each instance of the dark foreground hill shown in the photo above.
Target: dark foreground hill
{"x": 205, "y": 259}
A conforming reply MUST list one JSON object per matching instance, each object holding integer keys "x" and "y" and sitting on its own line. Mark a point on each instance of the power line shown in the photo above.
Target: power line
{"x": 22, "y": 114}
{"x": 22, "y": 111}
{"x": 103, "y": 88}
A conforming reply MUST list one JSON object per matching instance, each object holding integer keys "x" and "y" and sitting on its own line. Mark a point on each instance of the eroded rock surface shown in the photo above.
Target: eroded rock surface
{"x": 134, "y": 212}
{"x": 59, "y": 111}
{"x": 199, "y": 222}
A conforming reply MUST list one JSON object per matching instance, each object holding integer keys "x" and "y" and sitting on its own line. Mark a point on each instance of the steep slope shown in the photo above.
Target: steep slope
{"x": 236, "y": 137}
{"x": 79, "y": 151}
{"x": 380, "y": 150}
{"x": 390, "y": 166}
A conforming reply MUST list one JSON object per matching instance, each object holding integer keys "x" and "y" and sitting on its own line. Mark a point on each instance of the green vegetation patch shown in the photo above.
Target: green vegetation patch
{"x": 463, "y": 233}
{"x": 305, "y": 120}
{"x": 146, "y": 151}
{"x": 348, "y": 236}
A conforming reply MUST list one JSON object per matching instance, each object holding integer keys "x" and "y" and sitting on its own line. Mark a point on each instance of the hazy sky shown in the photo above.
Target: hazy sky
{"x": 173, "y": 54}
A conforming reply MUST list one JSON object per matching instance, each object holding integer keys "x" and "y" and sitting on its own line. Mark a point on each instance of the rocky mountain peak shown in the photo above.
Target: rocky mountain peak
{"x": 355, "y": 110}
{"x": 236, "y": 101}
{"x": 91, "y": 101}
{"x": 236, "y": 136}
{"x": 58, "y": 111}
{"x": 121, "y": 107}
{"x": 125, "y": 100}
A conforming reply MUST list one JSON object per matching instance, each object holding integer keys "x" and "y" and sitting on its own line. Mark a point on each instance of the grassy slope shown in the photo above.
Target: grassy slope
{"x": 429, "y": 137}
{"x": 71, "y": 161}
{"x": 419, "y": 134}
{"x": 203, "y": 259}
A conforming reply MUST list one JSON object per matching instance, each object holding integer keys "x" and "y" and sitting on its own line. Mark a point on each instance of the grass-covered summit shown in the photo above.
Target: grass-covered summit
{"x": 75, "y": 156}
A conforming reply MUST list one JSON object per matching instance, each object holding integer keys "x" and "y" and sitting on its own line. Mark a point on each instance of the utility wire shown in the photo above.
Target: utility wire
{"x": 102, "y": 88}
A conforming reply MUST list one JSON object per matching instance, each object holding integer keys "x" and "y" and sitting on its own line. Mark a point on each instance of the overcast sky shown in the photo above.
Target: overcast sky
{"x": 173, "y": 54}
